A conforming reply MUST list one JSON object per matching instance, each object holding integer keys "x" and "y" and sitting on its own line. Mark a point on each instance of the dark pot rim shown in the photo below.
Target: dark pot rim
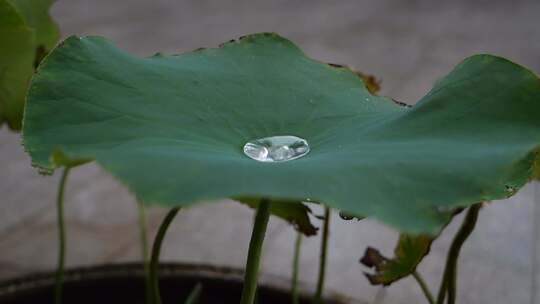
{"x": 32, "y": 281}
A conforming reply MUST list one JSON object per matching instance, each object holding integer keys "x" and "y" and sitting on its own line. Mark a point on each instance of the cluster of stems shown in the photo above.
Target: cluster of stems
{"x": 449, "y": 281}
{"x": 318, "y": 297}
{"x": 448, "y": 287}
{"x": 447, "y": 290}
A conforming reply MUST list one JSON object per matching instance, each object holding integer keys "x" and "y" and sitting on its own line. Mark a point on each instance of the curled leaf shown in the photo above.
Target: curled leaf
{"x": 409, "y": 252}
{"x": 372, "y": 84}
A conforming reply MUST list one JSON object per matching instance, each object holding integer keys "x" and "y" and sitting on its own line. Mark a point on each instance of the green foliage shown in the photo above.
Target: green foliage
{"x": 409, "y": 252}
{"x": 26, "y": 34}
{"x": 172, "y": 128}
{"x": 36, "y": 16}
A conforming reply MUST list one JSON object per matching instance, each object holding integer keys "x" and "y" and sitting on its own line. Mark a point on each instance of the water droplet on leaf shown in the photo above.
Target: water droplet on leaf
{"x": 345, "y": 216}
{"x": 276, "y": 148}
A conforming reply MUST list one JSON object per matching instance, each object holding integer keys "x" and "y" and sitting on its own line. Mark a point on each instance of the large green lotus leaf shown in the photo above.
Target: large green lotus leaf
{"x": 36, "y": 16}
{"x": 172, "y": 128}
{"x": 17, "y": 53}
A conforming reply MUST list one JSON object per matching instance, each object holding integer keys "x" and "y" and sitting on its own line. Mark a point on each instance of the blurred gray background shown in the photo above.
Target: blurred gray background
{"x": 407, "y": 44}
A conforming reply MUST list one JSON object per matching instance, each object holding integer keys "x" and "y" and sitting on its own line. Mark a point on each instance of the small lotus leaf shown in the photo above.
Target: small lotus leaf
{"x": 409, "y": 252}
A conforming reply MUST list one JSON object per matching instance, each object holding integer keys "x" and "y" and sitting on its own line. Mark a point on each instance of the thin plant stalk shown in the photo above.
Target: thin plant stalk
{"x": 254, "y": 252}
{"x": 323, "y": 256}
{"x": 144, "y": 251}
{"x": 296, "y": 268}
{"x": 156, "y": 250}
{"x": 424, "y": 287}
{"x": 59, "y": 279}
{"x": 195, "y": 294}
{"x": 442, "y": 290}
{"x": 449, "y": 281}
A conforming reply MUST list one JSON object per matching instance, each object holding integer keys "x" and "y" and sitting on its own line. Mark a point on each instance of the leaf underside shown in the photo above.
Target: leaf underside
{"x": 172, "y": 128}
{"x": 409, "y": 252}
{"x": 26, "y": 33}
{"x": 296, "y": 213}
